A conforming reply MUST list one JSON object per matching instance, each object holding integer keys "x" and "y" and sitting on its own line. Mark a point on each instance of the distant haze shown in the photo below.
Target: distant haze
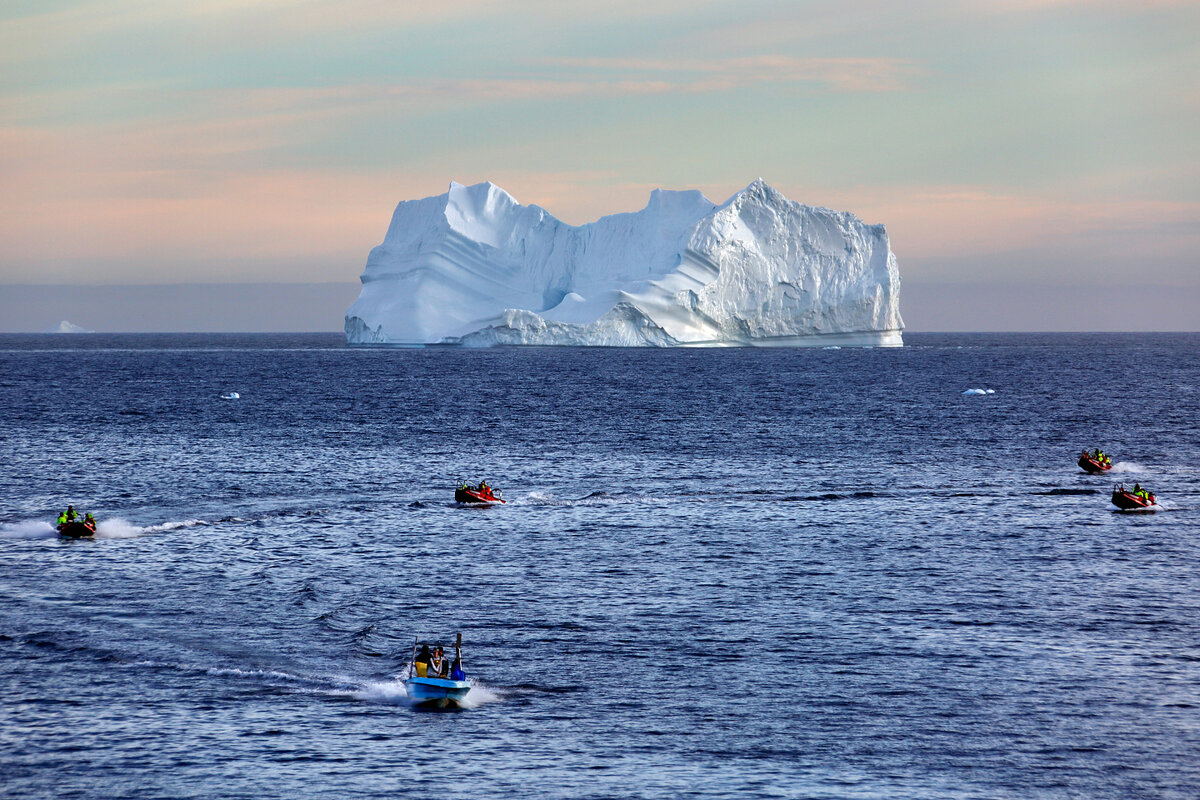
{"x": 1046, "y": 149}
{"x": 315, "y": 307}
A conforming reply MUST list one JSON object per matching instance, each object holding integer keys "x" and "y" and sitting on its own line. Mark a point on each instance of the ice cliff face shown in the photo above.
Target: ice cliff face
{"x": 475, "y": 267}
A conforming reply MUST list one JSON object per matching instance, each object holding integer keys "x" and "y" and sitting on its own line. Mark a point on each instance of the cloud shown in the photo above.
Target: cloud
{"x": 131, "y": 201}
{"x": 725, "y": 74}
{"x": 1081, "y": 239}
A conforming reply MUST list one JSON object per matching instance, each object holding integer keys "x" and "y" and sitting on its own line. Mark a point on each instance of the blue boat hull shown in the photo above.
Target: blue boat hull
{"x": 439, "y": 691}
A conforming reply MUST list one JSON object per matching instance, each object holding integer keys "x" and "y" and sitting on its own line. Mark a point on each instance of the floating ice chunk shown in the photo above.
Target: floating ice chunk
{"x": 975, "y": 391}
{"x": 231, "y": 396}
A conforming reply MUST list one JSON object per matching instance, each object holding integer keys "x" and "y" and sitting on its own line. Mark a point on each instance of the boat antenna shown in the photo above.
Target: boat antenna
{"x": 458, "y": 648}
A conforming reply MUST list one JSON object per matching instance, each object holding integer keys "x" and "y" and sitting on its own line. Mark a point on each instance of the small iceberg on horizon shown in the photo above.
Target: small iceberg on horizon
{"x": 230, "y": 396}
{"x": 67, "y": 327}
{"x": 979, "y": 391}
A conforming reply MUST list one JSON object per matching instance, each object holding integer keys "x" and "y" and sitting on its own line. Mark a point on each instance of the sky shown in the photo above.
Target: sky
{"x": 1013, "y": 143}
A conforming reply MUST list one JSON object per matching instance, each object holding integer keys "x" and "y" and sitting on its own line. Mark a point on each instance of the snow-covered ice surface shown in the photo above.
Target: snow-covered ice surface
{"x": 475, "y": 267}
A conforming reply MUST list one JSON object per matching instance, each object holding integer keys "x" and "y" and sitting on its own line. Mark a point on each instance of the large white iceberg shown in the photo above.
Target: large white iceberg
{"x": 475, "y": 267}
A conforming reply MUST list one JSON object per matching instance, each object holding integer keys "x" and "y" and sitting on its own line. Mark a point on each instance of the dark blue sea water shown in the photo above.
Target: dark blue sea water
{"x": 722, "y": 573}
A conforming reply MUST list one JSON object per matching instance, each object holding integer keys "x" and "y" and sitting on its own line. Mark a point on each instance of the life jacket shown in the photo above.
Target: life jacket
{"x": 422, "y": 669}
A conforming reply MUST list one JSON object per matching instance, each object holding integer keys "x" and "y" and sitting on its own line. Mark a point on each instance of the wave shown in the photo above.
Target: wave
{"x": 1122, "y": 467}
{"x": 829, "y": 496}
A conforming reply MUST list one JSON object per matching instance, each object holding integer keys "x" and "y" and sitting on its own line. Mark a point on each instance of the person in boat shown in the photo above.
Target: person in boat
{"x": 456, "y": 671}
{"x": 62, "y": 519}
{"x": 437, "y": 662}
{"x": 421, "y": 662}
{"x": 89, "y": 522}
{"x": 70, "y": 514}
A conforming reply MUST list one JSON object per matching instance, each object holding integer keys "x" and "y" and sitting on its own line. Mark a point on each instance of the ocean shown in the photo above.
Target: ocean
{"x": 731, "y": 573}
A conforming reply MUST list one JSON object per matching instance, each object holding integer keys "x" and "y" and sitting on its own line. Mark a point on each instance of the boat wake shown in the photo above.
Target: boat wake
{"x": 598, "y": 498}
{"x": 1125, "y": 467}
{"x": 118, "y": 528}
{"x": 393, "y": 693}
{"x": 27, "y": 529}
{"x": 121, "y": 528}
{"x": 1146, "y": 510}
{"x": 387, "y": 692}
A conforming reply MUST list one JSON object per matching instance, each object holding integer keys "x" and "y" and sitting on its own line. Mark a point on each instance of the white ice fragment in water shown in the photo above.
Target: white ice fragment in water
{"x": 231, "y": 396}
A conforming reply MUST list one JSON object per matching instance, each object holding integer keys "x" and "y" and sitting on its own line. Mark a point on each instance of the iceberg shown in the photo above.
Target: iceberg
{"x": 67, "y": 327}
{"x": 475, "y": 267}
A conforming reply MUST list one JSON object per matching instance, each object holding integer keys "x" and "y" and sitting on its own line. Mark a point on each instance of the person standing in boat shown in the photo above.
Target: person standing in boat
{"x": 456, "y": 671}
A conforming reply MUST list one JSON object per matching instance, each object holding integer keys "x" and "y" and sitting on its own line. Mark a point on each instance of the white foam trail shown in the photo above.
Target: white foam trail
{"x": 28, "y": 529}
{"x": 479, "y": 695}
{"x": 393, "y": 692}
{"x": 171, "y": 526}
{"x": 540, "y": 499}
{"x": 387, "y": 692}
{"x": 1126, "y": 466}
{"x": 602, "y": 499}
{"x": 118, "y": 528}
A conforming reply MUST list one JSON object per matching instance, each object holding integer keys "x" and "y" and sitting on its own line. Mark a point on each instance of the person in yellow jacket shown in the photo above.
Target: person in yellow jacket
{"x": 421, "y": 662}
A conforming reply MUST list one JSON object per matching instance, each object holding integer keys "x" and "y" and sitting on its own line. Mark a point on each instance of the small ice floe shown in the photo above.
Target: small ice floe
{"x": 979, "y": 391}
{"x": 231, "y": 396}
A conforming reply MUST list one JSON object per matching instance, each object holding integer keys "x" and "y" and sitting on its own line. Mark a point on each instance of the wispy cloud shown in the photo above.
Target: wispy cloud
{"x": 724, "y": 74}
{"x": 948, "y": 223}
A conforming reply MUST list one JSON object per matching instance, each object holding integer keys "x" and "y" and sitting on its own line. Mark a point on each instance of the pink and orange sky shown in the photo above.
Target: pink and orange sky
{"x": 1004, "y": 143}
